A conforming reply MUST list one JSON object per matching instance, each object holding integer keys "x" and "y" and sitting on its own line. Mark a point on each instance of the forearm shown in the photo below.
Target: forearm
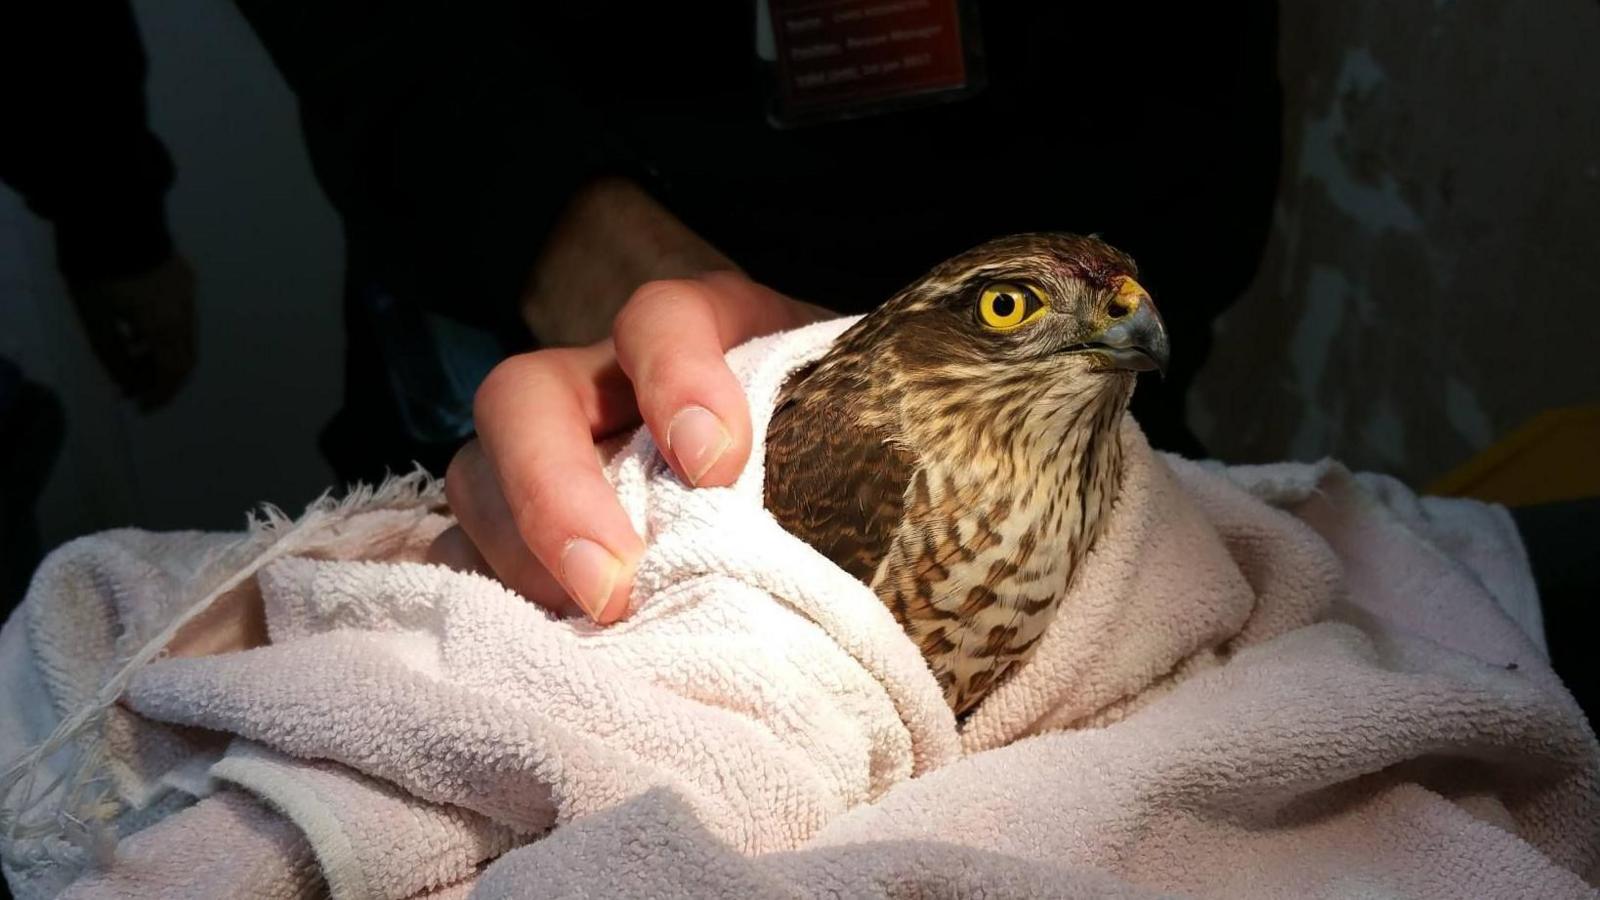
{"x": 611, "y": 238}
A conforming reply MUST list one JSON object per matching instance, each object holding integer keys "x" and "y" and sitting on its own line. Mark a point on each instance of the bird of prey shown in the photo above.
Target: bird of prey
{"x": 957, "y": 449}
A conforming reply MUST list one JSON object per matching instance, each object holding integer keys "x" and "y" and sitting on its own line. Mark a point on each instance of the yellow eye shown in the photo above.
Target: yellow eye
{"x": 1003, "y": 306}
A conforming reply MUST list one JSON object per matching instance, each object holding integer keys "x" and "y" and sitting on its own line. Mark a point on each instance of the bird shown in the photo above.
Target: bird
{"x": 958, "y": 448}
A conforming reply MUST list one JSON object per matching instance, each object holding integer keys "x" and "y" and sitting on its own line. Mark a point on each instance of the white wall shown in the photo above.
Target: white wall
{"x": 266, "y": 248}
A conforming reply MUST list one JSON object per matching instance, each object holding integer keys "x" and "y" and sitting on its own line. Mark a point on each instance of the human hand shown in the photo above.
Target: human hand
{"x": 142, "y": 328}
{"x": 533, "y": 506}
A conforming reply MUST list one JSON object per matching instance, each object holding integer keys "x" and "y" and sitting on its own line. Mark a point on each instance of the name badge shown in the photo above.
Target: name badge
{"x": 844, "y": 59}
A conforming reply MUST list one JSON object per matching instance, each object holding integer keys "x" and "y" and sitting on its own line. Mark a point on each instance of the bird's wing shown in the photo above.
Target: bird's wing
{"x": 835, "y": 482}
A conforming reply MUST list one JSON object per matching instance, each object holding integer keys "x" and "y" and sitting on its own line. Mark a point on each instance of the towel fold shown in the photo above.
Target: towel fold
{"x": 229, "y": 845}
{"x": 1265, "y": 681}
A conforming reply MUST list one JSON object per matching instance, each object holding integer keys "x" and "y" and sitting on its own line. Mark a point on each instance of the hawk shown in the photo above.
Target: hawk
{"x": 957, "y": 449}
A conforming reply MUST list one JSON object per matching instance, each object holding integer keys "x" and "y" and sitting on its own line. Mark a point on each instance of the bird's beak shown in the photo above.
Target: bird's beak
{"x": 1136, "y": 340}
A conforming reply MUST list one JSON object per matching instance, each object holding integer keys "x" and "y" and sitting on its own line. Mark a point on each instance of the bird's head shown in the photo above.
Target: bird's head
{"x": 1045, "y": 317}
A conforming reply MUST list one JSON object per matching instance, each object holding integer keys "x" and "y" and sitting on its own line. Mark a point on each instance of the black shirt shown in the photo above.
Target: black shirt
{"x": 449, "y": 136}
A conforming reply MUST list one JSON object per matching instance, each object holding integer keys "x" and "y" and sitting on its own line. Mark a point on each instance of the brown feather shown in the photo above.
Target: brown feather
{"x": 961, "y": 472}
{"x": 840, "y": 488}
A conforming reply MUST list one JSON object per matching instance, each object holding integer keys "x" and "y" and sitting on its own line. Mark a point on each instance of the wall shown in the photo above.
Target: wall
{"x": 1433, "y": 274}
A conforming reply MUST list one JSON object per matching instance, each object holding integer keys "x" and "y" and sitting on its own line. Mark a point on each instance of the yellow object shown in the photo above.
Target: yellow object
{"x": 1131, "y": 293}
{"x": 1553, "y": 457}
{"x": 1007, "y": 306}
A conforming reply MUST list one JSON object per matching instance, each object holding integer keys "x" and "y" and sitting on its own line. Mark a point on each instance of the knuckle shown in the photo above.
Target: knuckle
{"x": 662, "y": 298}
{"x": 494, "y": 384}
{"x": 658, "y": 308}
{"x": 521, "y": 375}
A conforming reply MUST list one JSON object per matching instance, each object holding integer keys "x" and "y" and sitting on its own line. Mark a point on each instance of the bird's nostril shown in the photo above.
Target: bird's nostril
{"x": 1118, "y": 309}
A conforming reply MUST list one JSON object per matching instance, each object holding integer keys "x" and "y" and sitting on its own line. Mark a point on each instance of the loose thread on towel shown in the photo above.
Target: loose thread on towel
{"x": 78, "y": 828}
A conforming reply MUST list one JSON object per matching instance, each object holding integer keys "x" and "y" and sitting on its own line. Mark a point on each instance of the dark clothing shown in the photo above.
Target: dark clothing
{"x": 76, "y": 144}
{"x": 450, "y": 137}
{"x": 1560, "y": 540}
{"x": 32, "y": 429}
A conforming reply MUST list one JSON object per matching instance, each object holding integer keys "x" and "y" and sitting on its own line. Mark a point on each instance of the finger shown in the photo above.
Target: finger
{"x": 670, "y": 339}
{"x": 486, "y": 537}
{"x": 453, "y": 549}
{"x": 537, "y": 416}
{"x": 236, "y": 621}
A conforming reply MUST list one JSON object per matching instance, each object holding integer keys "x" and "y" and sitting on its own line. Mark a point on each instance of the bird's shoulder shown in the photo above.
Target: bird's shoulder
{"x": 835, "y": 477}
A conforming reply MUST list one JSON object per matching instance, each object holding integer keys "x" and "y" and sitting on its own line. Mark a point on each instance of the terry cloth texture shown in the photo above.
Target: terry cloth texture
{"x": 1266, "y": 681}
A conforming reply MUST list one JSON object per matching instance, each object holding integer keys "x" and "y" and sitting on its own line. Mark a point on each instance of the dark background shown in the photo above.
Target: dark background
{"x": 1429, "y": 284}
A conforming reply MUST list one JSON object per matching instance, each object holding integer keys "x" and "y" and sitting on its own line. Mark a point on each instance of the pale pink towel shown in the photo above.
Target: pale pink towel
{"x": 1267, "y": 682}
{"x": 226, "y": 845}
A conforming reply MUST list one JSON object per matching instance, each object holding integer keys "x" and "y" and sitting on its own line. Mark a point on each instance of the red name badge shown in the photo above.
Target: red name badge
{"x": 838, "y": 59}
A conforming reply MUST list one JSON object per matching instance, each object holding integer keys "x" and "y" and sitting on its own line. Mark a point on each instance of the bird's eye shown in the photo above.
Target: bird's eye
{"x": 1005, "y": 307}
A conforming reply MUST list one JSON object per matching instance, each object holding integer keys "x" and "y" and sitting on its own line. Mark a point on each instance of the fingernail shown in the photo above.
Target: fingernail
{"x": 589, "y": 572}
{"x": 696, "y": 437}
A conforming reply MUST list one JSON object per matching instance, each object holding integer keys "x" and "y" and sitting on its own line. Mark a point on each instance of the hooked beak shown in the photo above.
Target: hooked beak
{"x": 1133, "y": 338}
{"x": 1136, "y": 342}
